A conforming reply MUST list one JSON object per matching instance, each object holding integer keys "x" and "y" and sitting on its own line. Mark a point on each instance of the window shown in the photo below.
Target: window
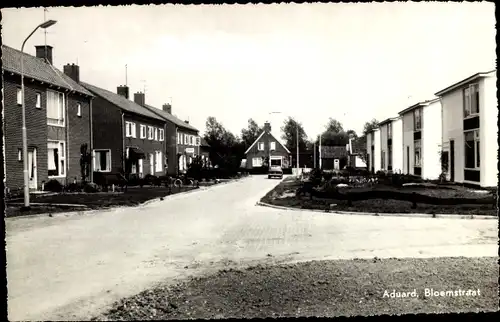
{"x": 150, "y": 133}
{"x": 56, "y": 157}
{"x": 141, "y": 167}
{"x": 159, "y": 166}
{"x": 193, "y": 141}
{"x": 55, "y": 108}
{"x": 19, "y": 97}
{"x": 417, "y": 152}
{"x": 373, "y": 136}
{"x": 102, "y": 160}
{"x": 130, "y": 129}
{"x": 417, "y": 119}
{"x": 162, "y": 135}
{"x": 257, "y": 162}
{"x": 198, "y": 141}
{"x": 143, "y": 131}
{"x": 186, "y": 139}
{"x": 389, "y": 130}
{"x": 156, "y": 134}
{"x": 261, "y": 146}
{"x": 19, "y": 155}
{"x": 382, "y": 160}
{"x": 471, "y": 100}
{"x": 273, "y": 146}
{"x": 38, "y": 103}
{"x": 79, "y": 110}
{"x": 179, "y": 138}
{"x": 472, "y": 151}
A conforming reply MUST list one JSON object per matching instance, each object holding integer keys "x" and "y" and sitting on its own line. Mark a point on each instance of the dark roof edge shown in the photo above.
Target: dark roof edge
{"x": 419, "y": 104}
{"x": 464, "y": 82}
{"x": 157, "y": 112}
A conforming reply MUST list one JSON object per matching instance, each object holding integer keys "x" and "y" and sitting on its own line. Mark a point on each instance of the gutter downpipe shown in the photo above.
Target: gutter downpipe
{"x": 91, "y": 166}
{"x": 123, "y": 142}
{"x": 66, "y": 156}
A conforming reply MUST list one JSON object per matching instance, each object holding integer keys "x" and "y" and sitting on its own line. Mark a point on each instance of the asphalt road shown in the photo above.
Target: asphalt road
{"x": 70, "y": 267}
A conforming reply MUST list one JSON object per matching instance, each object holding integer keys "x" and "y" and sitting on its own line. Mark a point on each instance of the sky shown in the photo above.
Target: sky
{"x": 352, "y": 62}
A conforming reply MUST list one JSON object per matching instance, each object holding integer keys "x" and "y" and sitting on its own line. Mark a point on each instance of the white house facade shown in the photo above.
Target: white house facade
{"x": 397, "y": 145}
{"x": 373, "y": 150}
{"x": 421, "y": 127}
{"x": 469, "y": 130}
{"x": 391, "y": 145}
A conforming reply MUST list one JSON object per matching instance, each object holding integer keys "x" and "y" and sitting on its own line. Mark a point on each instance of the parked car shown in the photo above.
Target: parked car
{"x": 276, "y": 172}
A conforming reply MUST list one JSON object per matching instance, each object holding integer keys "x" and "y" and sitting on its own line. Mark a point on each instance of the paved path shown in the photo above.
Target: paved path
{"x": 70, "y": 267}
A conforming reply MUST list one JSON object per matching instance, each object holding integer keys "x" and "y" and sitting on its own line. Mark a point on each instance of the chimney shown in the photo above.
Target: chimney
{"x": 44, "y": 52}
{"x": 167, "y": 108}
{"x": 187, "y": 122}
{"x": 140, "y": 99}
{"x": 122, "y": 90}
{"x": 73, "y": 71}
{"x": 267, "y": 127}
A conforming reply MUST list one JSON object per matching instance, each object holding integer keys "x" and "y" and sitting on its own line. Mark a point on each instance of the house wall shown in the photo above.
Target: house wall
{"x": 452, "y": 129}
{"x": 377, "y": 150}
{"x": 488, "y": 114}
{"x": 146, "y": 145}
{"x": 431, "y": 140}
{"x": 36, "y": 124}
{"x": 79, "y": 133}
{"x": 397, "y": 146}
{"x": 107, "y": 131}
{"x": 383, "y": 147}
{"x": 181, "y": 148}
{"x": 171, "y": 147}
{"x": 408, "y": 159}
{"x": 254, "y": 151}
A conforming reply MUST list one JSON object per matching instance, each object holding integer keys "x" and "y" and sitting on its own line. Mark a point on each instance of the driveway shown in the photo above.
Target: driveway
{"x": 72, "y": 267}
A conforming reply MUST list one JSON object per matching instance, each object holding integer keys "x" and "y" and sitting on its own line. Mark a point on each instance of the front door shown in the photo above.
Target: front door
{"x": 452, "y": 160}
{"x": 32, "y": 169}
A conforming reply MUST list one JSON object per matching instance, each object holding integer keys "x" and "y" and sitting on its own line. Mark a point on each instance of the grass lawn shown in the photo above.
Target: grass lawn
{"x": 323, "y": 288}
{"x": 284, "y": 195}
{"x": 134, "y": 196}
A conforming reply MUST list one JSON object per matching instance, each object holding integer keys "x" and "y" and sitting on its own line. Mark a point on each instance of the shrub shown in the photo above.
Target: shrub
{"x": 90, "y": 187}
{"x": 327, "y": 176}
{"x": 74, "y": 187}
{"x": 53, "y": 186}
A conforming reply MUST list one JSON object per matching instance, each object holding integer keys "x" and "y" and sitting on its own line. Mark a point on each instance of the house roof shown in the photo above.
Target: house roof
{"x": 333, "y": 152}
{"x": 420, "y": 104}
{"x": 274, "y": 137}
{"x": 39, "y": 69}
{"x": 121, "y": 101}
{"x": 169, "y": 117}
{"x": 356, "y": 146}
{"x": 204, "y": 142}
{"x": 465, "y": 82}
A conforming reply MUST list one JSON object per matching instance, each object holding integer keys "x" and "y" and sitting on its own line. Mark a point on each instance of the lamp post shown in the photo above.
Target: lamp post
{"x": 43, "y": 25}
{"x": 297, "y": 129}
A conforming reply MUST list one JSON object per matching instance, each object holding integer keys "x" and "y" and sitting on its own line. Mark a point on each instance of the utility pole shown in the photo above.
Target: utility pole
{"x": 297, "y": 128}
{"x": 319, "y": 152}
{"x": 314, "y": 155}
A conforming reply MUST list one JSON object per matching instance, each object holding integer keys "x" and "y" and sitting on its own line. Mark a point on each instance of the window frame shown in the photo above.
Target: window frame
{"x": 61, "y": 120}
{"x": 419, "y": 149}
{"x": 142, "y": 131}
{"x": 272, "y": 146}
{"x": 186, "y": 140}
{"x": 477, "y": 150}
{"x": 259, "y": 145}
{"x": 419, "y": 123}
{"x": 161, "y": 135}
{"x": 468, "y": 93}
{"x": 61, "y": 171}
{"x": 260, "y": 162}
{"x": 19, "y": 96}
{"x": 38, "y": 100}
{"x": 156, "y": 134}
{"x": 108, "y": 160}
{"x": 179, "y": 137}
{"x": 150, "y": 133}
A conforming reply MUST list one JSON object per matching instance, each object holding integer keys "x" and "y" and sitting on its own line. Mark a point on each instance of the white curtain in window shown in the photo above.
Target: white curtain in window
{"x": 52, "y": 148}
{"x": 97, "y": 161}
{"x": 140, "y": 167}
{"x": 52, "y": 105}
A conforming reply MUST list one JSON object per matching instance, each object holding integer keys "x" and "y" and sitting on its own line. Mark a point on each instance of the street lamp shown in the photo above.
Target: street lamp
{"x": 297, "y": 129}
{"x": 43, "y": 25}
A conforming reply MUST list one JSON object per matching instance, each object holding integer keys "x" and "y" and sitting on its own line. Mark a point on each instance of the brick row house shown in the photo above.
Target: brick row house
{"x": 267, "y": 151}
{"x": 128, "y": 138}
{"x": 58, "y": 120}
{"x": 184, "y": 141}
{"x": 453, "y": 134}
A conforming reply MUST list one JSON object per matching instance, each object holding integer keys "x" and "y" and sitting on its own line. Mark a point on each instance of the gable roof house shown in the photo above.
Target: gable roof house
{"x": 330, "y": 155}
{"x": 128, "y": 138}
{"x": 267, "y": 151}
{"x": 469, "y": 130}
{"x": 184, "y": 142}
{"x": 422, "y": 139}
{"x": 58, "y": 119}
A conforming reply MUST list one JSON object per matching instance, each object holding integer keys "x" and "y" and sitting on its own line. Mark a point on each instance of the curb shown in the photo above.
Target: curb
{"x": 415, "y": 215}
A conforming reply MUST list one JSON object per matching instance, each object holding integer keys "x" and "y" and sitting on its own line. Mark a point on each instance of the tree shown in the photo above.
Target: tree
{"x": 334, "y": 126}
{"x": 289, "y": 135}
{"x": 226, "y": 147}
{"x": 352, "y": 134}
{"x": 369, "y": 126}
{"x": 251, "y": 133}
